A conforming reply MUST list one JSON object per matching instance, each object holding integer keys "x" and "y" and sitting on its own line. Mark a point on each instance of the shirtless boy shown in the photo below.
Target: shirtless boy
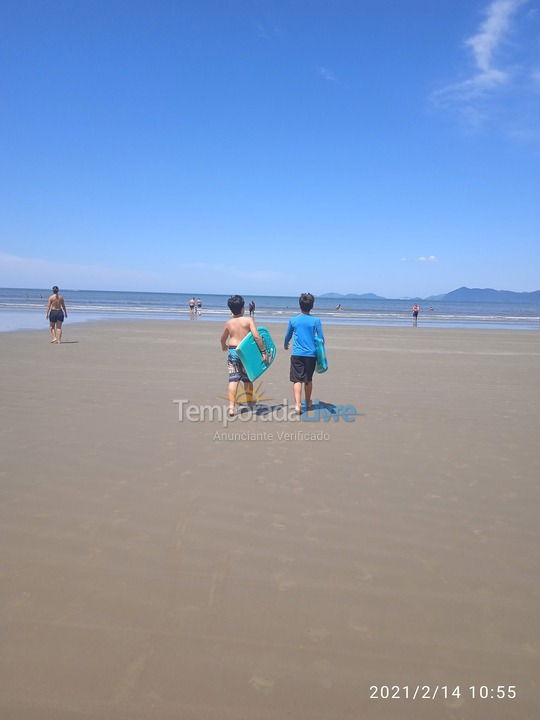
{"x": 235, "y": 331}
{"x": 56, "y": 311}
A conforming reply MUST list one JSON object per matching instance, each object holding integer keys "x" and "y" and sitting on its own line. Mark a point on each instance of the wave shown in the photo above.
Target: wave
{"x": 271, "y": 311}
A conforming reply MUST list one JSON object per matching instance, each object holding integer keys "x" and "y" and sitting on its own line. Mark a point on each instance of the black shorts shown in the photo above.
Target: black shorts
{"x": 302, "y": 368}
{"x": 56, "y": 316}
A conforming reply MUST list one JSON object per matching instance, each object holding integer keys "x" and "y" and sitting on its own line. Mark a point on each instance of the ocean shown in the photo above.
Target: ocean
{"x": 25, "y": 309}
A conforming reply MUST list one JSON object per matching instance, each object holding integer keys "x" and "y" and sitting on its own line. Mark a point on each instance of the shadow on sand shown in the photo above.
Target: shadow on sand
{"x": 266, "y": 409}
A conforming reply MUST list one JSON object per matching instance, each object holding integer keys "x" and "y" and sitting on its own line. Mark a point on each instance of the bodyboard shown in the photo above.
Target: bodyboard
{"x": 250, "y": 355}
{"x": 322, "y": 361}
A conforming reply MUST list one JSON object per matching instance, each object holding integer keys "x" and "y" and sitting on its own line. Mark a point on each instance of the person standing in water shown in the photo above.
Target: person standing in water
{"x": 192, "y": 310}
{"x": 415, "y": 311}
{"x": 199, "y": 306}
{"x": 252, "y": 309}
{"x": 56, "y": 313}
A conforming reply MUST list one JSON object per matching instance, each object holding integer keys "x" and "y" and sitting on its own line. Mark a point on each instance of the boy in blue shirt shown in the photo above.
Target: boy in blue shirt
{"x": 302, "y": 329}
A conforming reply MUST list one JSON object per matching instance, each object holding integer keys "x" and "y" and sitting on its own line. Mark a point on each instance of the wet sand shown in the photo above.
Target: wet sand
{"x": 152, "y": 569}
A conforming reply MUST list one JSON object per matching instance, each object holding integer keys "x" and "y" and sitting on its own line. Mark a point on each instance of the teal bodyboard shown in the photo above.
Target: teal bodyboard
{"x": 250, "y": 355}
{"x": 322, "y": 361}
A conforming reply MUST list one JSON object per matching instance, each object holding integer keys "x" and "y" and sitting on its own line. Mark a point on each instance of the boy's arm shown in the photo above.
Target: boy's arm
{"x": 288, "y": 336}
{"x": 48, "y": 308}
{"x": 257, "y": 338}
{"x": 224, "y": 337}
{"x": 64, "y": 307}
{"x": 319, "y": 329}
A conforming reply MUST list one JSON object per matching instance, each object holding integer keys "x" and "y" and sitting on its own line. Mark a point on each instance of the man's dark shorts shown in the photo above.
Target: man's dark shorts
{"x": 302, "y": 368}
{"x": 56, "y": 316}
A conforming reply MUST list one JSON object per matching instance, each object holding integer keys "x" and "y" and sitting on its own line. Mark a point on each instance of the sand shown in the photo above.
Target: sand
{"x": 151, "y": 569}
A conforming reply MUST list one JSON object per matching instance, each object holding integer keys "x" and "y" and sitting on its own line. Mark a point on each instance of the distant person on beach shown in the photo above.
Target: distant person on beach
{"x": 252, "y": 309}
{"x": 192, "y": 308}
{"x": 339, "y": 307}
{"x": 302, "y": 329}
{"x": 199, "y": 306}
{"x": 56, "y": 313}
{"x": 415, "y": 311}
{"x": 235, "y": 331}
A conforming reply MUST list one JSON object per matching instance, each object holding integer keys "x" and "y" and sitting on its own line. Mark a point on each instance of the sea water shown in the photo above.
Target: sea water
{"x": 25, "y": 309}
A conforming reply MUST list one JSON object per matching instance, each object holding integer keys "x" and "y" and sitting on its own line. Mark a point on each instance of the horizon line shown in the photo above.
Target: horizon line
{"x": 334, "y": 294}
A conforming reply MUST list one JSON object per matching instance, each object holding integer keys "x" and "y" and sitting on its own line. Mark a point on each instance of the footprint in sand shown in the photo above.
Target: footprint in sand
{"x": 318, "y": 633}
{"x": 284, "y": 581}
{"x": 357, "y": 626}
{"x": 479, "y": 534}
{"x": 278, "y": 523}
{"x": 263, "y": 685}
{"x": 364, "y": 577}
{"x": 309, "y": 512}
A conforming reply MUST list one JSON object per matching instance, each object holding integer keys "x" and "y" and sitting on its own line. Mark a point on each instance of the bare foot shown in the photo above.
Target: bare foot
{"x": 231, "y": 412}
{"x": 53, "y": 341}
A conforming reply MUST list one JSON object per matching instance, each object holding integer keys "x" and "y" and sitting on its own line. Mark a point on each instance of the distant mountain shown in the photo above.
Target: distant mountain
{"x": 352, "y": 296}
{"x": 462, "y": 294}
{"x": 434, "y": 297}
{"x": 465, "y": 294}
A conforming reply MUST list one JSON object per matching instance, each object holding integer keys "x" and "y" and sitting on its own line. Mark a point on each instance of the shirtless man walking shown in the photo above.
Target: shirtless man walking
{"x": 56, "y": 312}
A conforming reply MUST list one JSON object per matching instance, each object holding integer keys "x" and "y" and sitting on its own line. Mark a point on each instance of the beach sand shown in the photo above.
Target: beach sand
{"x": 152, "y": 571}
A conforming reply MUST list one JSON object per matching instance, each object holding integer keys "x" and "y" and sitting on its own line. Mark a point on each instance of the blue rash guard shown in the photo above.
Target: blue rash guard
{"x": 303, "y": 328}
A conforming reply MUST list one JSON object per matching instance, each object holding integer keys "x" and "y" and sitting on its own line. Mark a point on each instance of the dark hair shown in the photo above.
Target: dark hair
{"x": 55, "y": 289}
{"x": 306, "y": 301}
{"x": 236, "y": 304}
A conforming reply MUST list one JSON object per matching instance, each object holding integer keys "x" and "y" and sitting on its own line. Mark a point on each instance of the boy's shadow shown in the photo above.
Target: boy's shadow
{"x": 264, "y": 409}
{"x": 329, "y": 408}
{"x": 320, "y": 405}
{"x": 261, "y": 409}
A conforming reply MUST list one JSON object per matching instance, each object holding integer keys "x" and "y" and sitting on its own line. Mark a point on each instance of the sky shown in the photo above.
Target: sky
{"x": 387, "y": 146}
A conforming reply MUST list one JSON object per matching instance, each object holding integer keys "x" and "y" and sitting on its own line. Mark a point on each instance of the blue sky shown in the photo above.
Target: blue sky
{"x": 388, "y": 146}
